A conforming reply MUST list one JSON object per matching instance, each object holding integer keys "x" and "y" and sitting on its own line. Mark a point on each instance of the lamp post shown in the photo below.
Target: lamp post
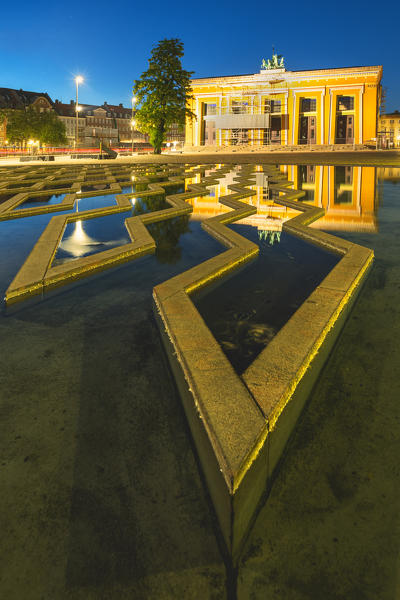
{"x": 133, "y": 122}
{"x": 78, "y": 80}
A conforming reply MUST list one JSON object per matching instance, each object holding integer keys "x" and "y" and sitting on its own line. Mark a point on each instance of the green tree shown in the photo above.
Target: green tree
{"x": 163, "y": 92}
{"x": 51, "y": 129}
{"x": 17, "y": 125}
{"x": 28, "y": 124}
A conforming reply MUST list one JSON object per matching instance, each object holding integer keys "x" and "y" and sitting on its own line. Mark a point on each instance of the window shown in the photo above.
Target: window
{"x": 391, "y": 121}
{"x": 239, "y": 107}
{"x": 308, "y": 104}
{"x": 210, "y": 109}
{"x": 383, "y": 122}
{"x": 345, "y": 103}
{"x": 275, "y": 106}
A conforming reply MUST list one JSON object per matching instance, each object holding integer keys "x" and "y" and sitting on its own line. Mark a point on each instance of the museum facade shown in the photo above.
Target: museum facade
{"x": 276, "y": 106}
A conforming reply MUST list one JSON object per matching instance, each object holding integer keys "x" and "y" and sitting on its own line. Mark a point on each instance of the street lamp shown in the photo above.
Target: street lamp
{"x": 133, "y": 123}
{"x": 78, "y": 80}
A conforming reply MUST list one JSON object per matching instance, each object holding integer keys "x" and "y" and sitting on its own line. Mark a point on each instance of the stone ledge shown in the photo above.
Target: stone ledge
{"x": 37, "y": 274}
{"x": 278, "y": 381}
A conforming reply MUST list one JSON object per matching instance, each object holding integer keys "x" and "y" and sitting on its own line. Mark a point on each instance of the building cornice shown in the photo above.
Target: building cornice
{"x": 290, "y": 76}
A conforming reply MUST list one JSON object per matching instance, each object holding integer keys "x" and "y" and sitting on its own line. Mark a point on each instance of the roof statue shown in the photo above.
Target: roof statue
{"x": 276, "y": 62}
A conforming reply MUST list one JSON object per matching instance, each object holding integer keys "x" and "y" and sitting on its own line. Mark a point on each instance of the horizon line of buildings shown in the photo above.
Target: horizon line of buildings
{"x": 273, "y": 107}
{"x": 108, "y": 123}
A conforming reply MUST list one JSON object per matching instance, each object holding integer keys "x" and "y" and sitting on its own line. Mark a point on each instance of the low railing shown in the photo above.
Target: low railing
{"x": 23, "y": 152}
{"x": 249, "y": 110}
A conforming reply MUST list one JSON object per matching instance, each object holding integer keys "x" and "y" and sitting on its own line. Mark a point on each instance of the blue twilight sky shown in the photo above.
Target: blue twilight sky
{"x": 45, "y": 44}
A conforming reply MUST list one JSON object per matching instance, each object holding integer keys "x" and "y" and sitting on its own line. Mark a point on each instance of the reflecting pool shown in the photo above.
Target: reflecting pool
{"x": 40, "y": 201}
{"x": 101, "y": 494}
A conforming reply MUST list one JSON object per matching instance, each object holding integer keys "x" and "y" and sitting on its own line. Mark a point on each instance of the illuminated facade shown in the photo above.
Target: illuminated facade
{"x": 275, "y": 106}
{"x": 389, "y": 130}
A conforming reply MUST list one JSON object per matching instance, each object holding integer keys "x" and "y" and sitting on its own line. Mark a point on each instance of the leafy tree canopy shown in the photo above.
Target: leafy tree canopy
{"x": 163, "y": 92}
{"x": 30, "y": 124}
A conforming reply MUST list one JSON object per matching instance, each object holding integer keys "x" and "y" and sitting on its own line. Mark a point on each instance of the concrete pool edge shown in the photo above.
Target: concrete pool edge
{"x": 37, "y": 274}
{"x": 240, "y": 447}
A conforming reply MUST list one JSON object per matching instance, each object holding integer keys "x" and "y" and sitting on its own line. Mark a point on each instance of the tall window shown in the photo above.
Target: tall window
{"x": 308, "y": 105}
{"x": 345, "y": 103}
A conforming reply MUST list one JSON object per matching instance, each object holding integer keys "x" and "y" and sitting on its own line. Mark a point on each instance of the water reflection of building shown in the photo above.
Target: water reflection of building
{"x": 389, "y": 174}
{"x": 269, "y": 216}
{"x": 348, "y": 195}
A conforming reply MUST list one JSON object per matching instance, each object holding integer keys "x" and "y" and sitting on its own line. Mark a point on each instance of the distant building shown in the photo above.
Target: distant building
{"x": 66, "y": 114}
{"x": 389, "y": 130}
{"x": 275, "y": 106}
{"x": 108, "y": 123}
{"x": 21, "y": 99}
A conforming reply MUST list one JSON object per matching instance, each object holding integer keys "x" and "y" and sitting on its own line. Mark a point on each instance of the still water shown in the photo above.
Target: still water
{"x": 101, "y": 494}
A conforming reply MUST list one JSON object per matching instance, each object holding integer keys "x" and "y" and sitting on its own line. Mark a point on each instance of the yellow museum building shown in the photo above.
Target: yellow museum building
{"x": 275, "y": 106}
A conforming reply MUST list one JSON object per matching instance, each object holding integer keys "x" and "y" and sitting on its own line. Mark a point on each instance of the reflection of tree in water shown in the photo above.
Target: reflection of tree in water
{"x": 166, "y": 234}
{"x": 141, "y": 187}
{"x": 149, "y": 204}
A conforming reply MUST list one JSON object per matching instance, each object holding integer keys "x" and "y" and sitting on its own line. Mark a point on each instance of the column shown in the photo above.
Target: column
{"x": 360, "y": 126}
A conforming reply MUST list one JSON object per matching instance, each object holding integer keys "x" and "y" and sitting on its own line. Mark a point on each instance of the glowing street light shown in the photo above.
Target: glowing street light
{"x": 78, "y": 80}
{"x": 133, "y": 122}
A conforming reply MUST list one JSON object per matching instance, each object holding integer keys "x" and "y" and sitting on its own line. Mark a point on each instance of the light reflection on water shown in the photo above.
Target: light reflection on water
{"x": 85, "y": 237}
{"x": 82, "y": 238}
{"x": 348, "y": 194}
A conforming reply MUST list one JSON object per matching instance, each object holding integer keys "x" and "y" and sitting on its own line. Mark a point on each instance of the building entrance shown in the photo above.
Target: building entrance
{"x": 209, "y": 132}
{"x": 276, "y": 127}
{"x": 307, "y": 130}
{"x": 344, "y": 129}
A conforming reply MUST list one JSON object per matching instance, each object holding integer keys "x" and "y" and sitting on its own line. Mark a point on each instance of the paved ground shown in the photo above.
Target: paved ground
{"x": 363, "y": 157}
